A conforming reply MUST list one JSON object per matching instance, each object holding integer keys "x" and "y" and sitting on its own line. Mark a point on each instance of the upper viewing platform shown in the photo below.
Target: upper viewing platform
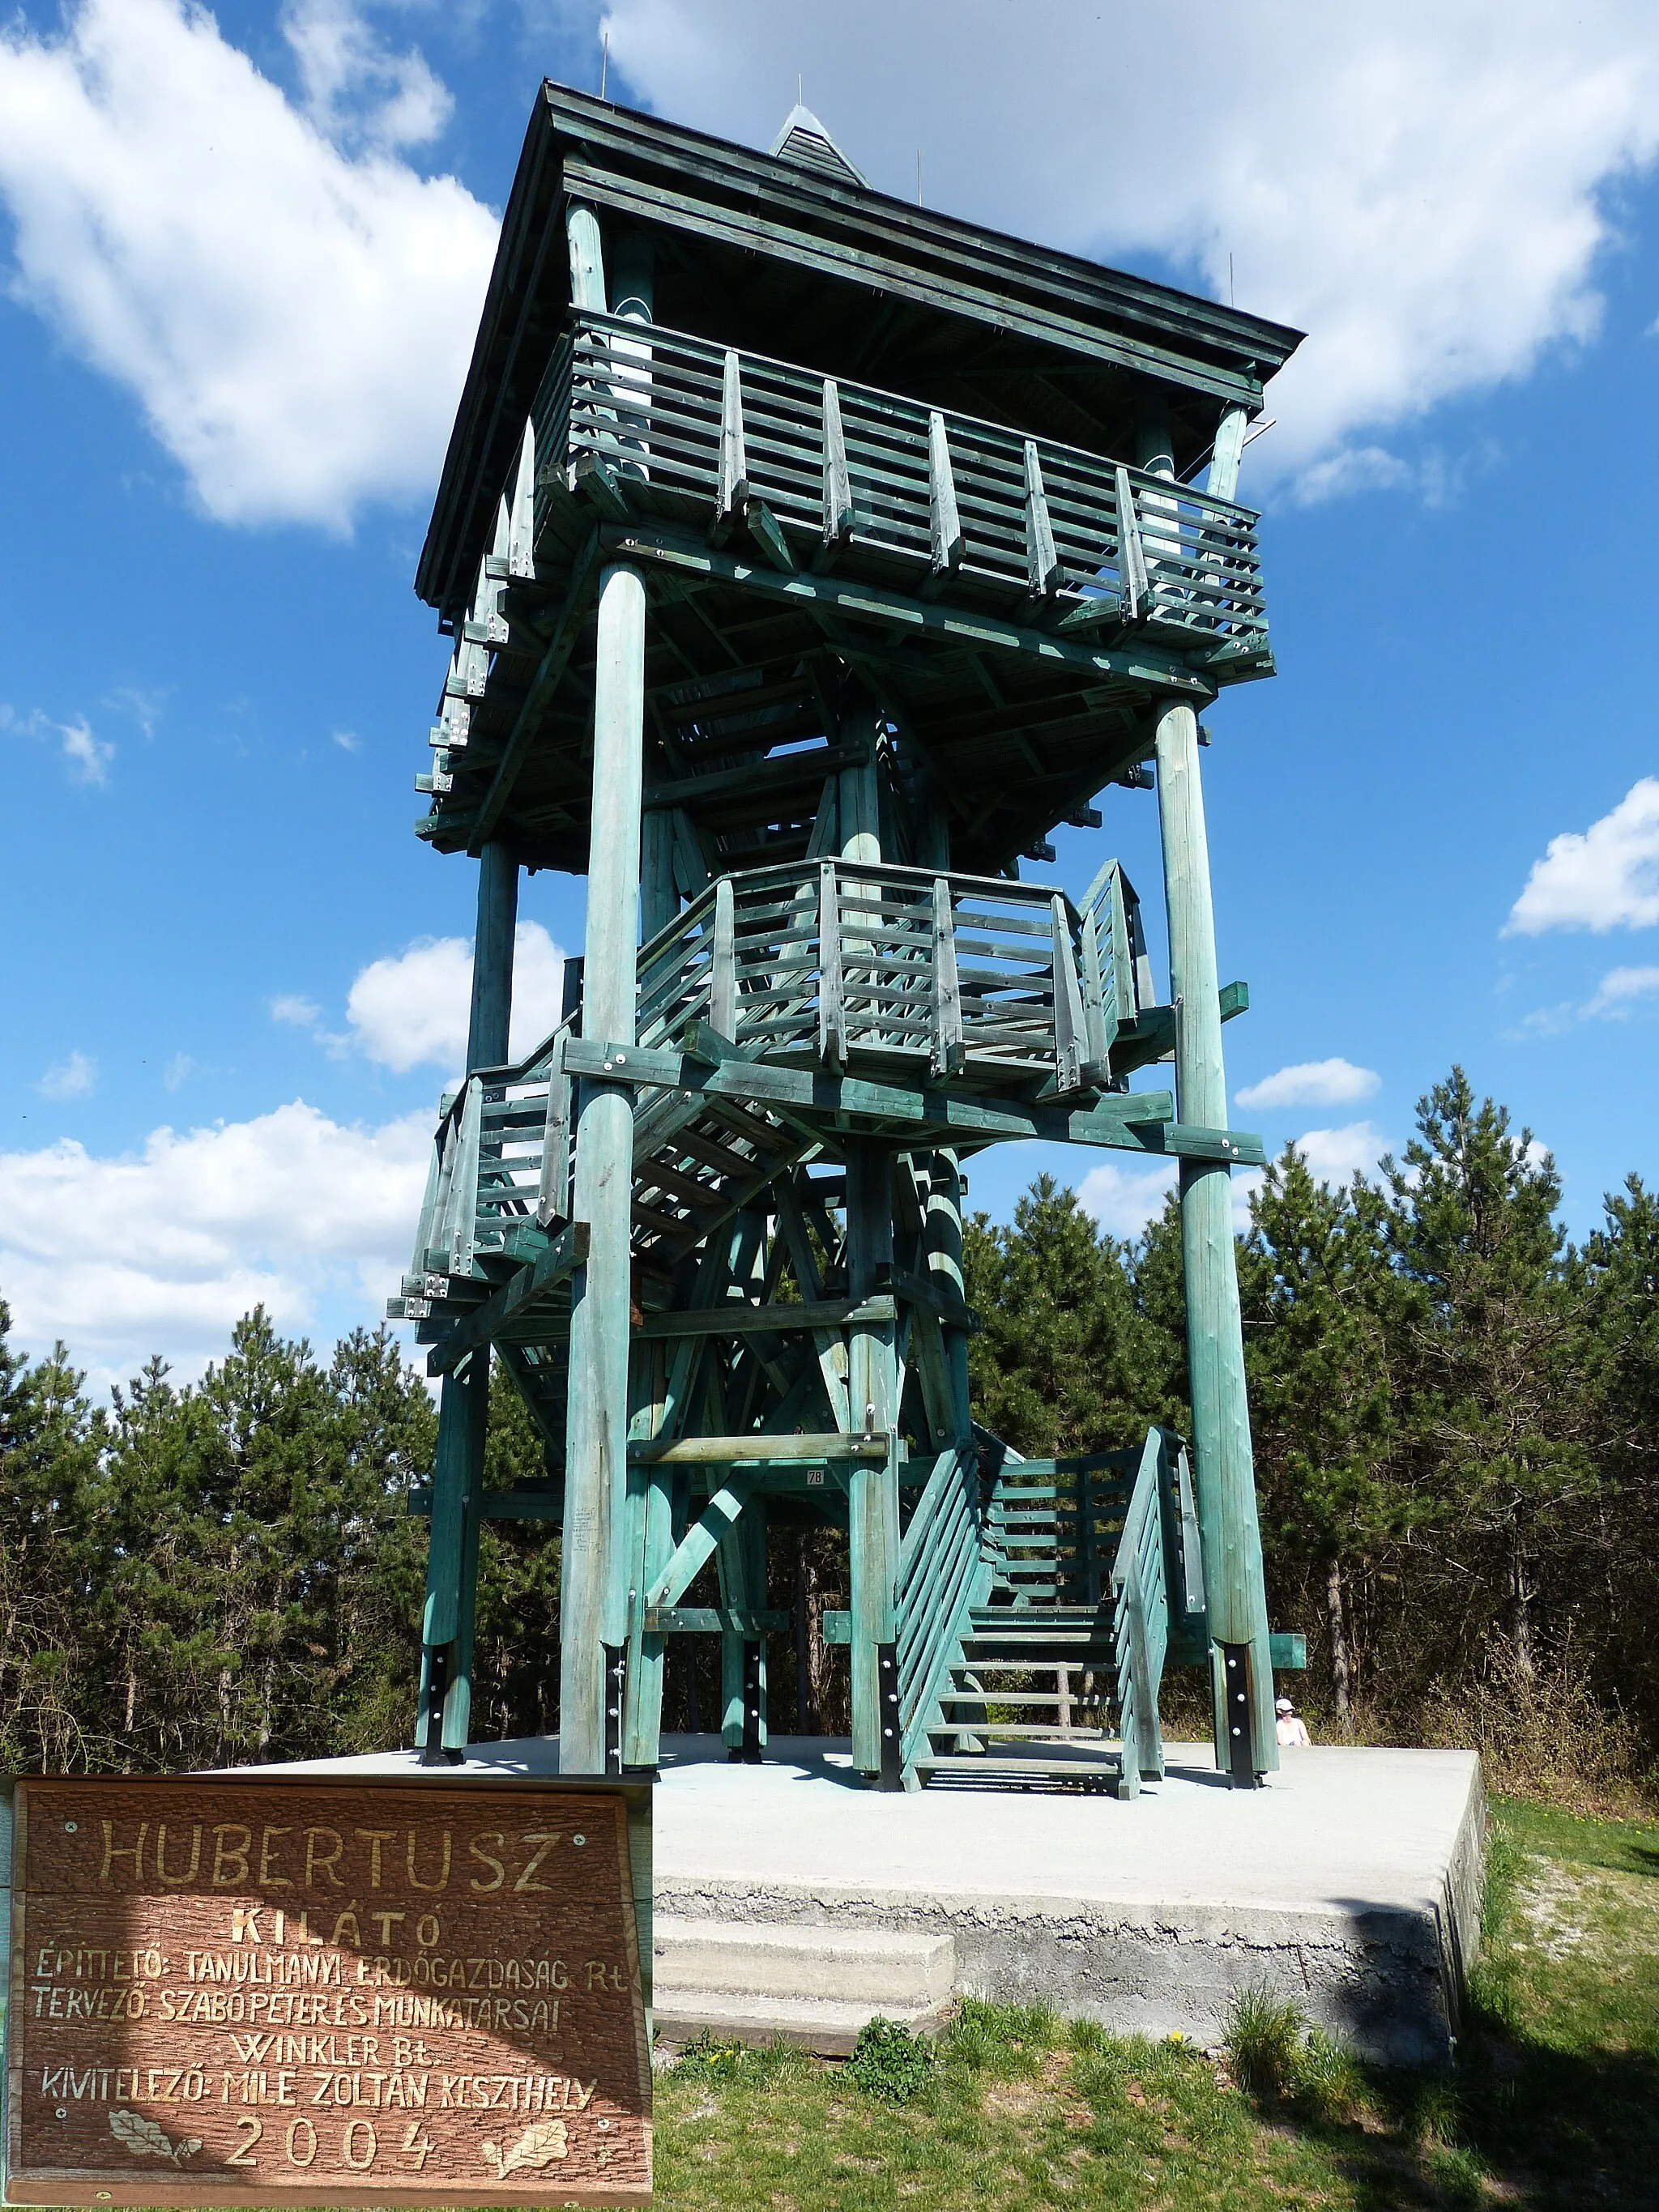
{"x": 836, "y": 431}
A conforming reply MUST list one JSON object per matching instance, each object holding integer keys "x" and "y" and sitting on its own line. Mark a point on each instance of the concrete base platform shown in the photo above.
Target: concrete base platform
{"x": 1351, "y": 1883}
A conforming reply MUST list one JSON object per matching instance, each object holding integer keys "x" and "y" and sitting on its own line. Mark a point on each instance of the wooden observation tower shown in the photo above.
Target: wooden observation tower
{"x": 808, "y": 557}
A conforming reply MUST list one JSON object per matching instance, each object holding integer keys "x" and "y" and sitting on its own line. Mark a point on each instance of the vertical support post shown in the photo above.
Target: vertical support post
{"x": 1215, "y": 1340}
{"x": 649, "y": 1525}
{"x": 872, "y": 1503}
{"x": 593, "y": 1584}
{"x": 659, "y": 898}
{"x": 445, "y": 1705}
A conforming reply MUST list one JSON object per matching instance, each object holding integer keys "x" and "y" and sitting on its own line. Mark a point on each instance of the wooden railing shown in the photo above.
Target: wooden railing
{"x": 837, "y": 962}
{"x": 943, "y": 1572}
{"x": 718, "y": 438}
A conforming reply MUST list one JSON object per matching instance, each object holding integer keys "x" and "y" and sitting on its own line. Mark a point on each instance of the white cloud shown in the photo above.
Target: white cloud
{"x": 1336, "y": 1156}
{"x": 1620, "y": 989}
{"x": 300, "y": 1013}
{"x": 295, "y": 319}
{"x": 1603, "y": 877}
{"x": 347, "y": 741}
{"x": 1420, "y": 187}
{"x": 177, "y": 1070}
{"x": 198, "y": 1227}
{"x": 410, "y": 1010}
{"x": 73, "y": 1078}
{"x": 1124, "y": 1199}
{"x": 1312, "y": 1083}
{"x": 88, "y": 758}
{"x": 355, "y": 89}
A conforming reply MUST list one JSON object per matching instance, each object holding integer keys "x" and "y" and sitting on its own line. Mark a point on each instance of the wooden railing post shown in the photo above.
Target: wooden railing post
{"x": 837, "y": 479}
{"x": 947, "y": 1052}
{"x": 943, "y": 518}
{"x": 593, "y": 1581}
{"x": 723, "y": 970}
{"x": 1042, "y": 562}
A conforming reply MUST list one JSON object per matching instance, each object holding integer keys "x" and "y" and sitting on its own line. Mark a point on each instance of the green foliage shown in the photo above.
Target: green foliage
{"x": 1065, "y": 1361}
{"x": 890, "y": 2060}
{"x": 1264, "y": 2041}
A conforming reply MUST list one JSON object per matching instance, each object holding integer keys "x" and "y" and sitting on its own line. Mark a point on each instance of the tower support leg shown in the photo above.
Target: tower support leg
{"x": 873, "y": 1501}
{"x": 1215, "y": 1342}
{"x": 444, "y": 1713}
{"x": 594, "y": 1575}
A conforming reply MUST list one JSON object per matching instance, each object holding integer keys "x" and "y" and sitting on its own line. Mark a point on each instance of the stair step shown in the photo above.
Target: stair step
{"x": 993, "y": 1768}
{"x": 1088, "y": 1739}
{"x": 817, "y": 2024}
{"x": 880, "y": 1966}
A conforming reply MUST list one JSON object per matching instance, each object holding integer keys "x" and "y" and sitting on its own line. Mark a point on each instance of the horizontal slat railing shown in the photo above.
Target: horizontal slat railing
{"x": 711, "y": 431}
{"x": 833, "y": 960}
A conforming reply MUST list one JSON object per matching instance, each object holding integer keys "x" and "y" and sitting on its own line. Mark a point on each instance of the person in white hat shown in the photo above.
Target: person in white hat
{"x": 1289, "y": 1728}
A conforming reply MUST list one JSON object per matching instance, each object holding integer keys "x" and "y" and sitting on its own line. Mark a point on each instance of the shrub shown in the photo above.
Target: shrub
{"x": 889, "y": 2061}
{"x": 1264, "y": 2042}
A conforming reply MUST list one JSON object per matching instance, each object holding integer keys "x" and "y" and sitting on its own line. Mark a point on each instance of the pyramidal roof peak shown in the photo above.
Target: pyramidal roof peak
{"x": 804, "y": 141}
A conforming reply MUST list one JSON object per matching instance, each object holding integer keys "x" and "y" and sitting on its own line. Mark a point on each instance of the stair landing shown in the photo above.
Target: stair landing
{"x": 1350, "y": 1883}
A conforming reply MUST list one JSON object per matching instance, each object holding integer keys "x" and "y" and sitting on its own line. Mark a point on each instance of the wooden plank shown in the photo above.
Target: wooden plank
{"x": 1131, "y": 555}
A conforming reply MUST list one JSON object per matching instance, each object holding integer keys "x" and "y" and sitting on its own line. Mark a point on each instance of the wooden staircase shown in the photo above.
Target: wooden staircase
{"x": 1059, "y": 1652}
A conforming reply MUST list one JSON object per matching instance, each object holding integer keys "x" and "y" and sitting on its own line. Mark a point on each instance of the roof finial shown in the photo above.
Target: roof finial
{"x": 803, "y": 141}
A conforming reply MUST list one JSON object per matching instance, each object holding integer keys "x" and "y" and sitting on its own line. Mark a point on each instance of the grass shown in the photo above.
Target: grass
{"x": 1553, "y": 2105}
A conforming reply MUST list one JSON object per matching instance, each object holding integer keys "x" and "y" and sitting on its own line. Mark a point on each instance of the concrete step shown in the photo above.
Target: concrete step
{"x": 814, "y": 2023}
{"x": 756, "y": 1980}
{"x": 791, "y": 1959}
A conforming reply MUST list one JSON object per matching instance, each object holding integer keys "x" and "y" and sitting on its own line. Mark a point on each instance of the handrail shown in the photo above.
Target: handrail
{"x": 942, "y": 1571}
{"x": 1140, "y": 1618}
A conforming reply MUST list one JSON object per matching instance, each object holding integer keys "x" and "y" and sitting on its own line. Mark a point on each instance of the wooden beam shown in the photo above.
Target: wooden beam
{"x": 936, "y": 622}
{"x": 713, "y": 1621}
{"x": 756, "y": 1446}
{"x": 739, "y": 1318}
{"x": 562, "y": 1257}
{"x": 788, "y": 772}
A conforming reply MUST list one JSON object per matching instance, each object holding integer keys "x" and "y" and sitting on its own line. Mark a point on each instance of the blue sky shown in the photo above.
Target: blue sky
{"x": 244, "y": 256}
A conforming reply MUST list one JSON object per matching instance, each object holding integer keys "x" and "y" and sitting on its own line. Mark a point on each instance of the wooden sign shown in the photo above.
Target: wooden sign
{"x": 250, "y": 1989}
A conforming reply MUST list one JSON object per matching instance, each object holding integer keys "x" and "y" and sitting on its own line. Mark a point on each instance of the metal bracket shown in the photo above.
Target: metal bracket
{"x": 1241, "y": 1735}
{"x": 615, "y": 1679}
{"x": 887, "y": 1706}
{"x": 751, "y": 1703}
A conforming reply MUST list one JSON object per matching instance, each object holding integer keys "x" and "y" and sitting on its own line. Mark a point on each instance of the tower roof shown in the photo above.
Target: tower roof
{"x": 804, "y": 139}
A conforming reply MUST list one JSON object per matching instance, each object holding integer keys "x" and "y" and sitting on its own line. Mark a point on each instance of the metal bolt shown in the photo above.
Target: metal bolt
{"x": 71, "y": 1827}
{"x": 578, "y": 1840}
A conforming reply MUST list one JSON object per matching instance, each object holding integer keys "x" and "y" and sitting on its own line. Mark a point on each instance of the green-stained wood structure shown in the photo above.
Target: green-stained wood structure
{"x": 809, "y": 556}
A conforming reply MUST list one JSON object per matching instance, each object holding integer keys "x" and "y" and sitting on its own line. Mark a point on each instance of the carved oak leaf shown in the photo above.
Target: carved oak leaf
{"x": 535, "y": 2147}
{"x": 149, "y": 2139}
